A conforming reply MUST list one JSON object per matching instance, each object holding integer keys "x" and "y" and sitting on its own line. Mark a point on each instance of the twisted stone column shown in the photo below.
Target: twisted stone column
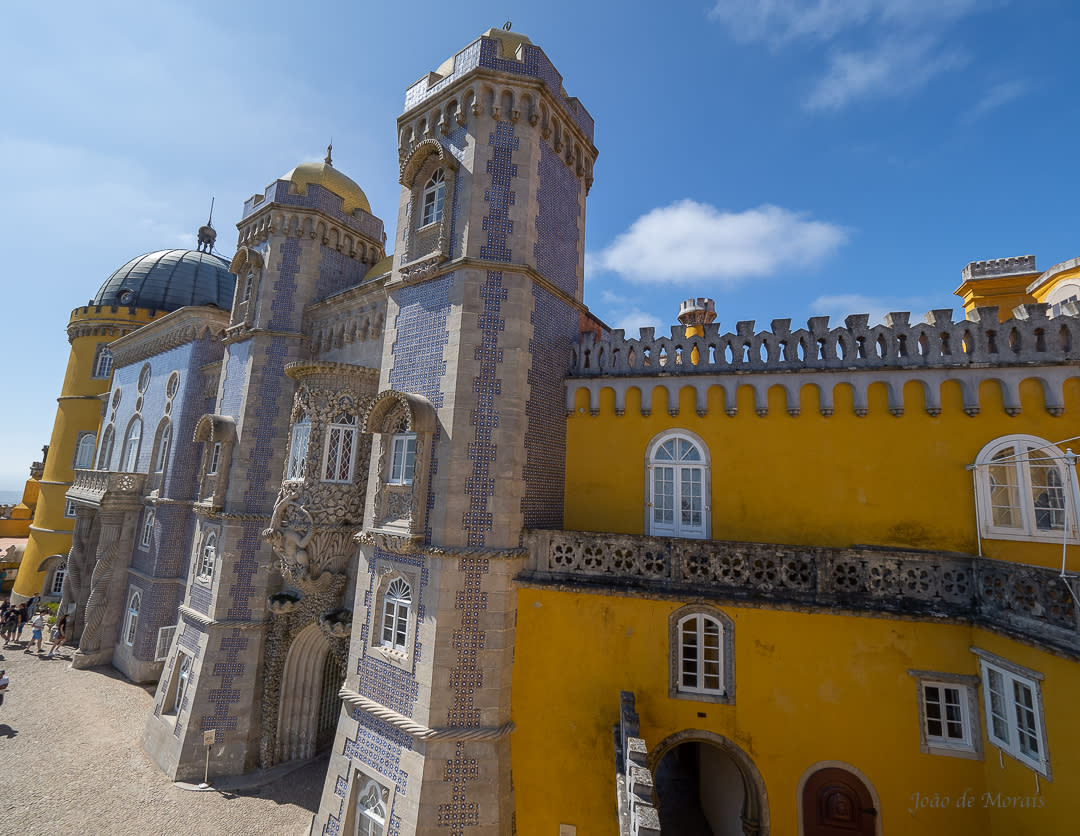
{"x": 71, "y": 592}
{"x": 107, "y": 551}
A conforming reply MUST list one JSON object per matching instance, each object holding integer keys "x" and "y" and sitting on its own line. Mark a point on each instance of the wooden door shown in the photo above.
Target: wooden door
{"x": 836, "y": 803}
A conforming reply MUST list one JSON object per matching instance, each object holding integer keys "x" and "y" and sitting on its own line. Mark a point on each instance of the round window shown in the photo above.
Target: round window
{"x": 116, "y": 397}
{"x": 173, "y": 384}
{"x": 144, "y": 377}
{"x": 126, "y": 297}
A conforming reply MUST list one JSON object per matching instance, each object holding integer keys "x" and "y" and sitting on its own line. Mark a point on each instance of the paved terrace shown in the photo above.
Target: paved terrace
{"x": 70, "y": 762}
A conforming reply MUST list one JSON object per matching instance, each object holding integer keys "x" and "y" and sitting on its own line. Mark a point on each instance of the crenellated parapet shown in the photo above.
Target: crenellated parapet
{"x": 896, "y": 352}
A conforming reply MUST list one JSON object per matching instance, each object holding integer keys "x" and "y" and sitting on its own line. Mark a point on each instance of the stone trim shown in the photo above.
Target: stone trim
{"x": 727, "y": 650}
{"x": 174, "y": 329}
{"x": 419, "y": 731}
{"x": 205, "y": 622}
{"x": 970, "y": 684}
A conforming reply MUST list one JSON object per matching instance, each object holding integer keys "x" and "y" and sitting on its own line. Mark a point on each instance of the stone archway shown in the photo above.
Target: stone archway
{"x": 706, "y": 784}
{"x": 310, "y": 681}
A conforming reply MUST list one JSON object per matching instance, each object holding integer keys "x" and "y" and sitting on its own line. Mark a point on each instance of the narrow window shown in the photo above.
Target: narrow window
{"x": 1014, "y": 714}
{"x": 105, "y": 454}
{"x": 395, "y": 626}
{"x": 209, "y": 557}
{"x": 69, "y": 508}
{"x": 183, "y": 677}
{"x": 402, "y": 459}
{"x": 164, "y": 641}
{"x": 700, "y": 655}
{"x": 434, "y": 196}
{"x": 57, "y": 585}
{"x": 370, "y": 811}
{"x": 340, "y": 447}
{"x": 147, "y": 528}
{"x": 84, "y": 452}
{"x": 102, "y": 362}
{"x": 215, "y": 458}
{"x": 298, "y": 447}
{"x": 164, "y": 440}
{"x": 248, "y": 280}
{"x": 132, "y": 622}
{"x": 677, "y": 484}
{"x": 130, "y": 458}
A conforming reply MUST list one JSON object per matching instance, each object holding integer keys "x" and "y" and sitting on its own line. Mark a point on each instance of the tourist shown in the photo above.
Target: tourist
{"x": 24, "y": 616}
{"x": 11, "y": 624}
{"x": 38, "y": 623}
{"x": 3, "y": 685}
{"x": 59, "y": 634}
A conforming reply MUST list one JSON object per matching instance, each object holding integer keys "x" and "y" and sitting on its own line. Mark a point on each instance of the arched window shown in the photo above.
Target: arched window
{"x": 340, "y": 449}
{"x": 57, "y": 585}
{"x": 395, "y": 626}
{"x": 208, "y": 557}
{"x": 702, "y": 654}
{"x": 84, "y": 451}
{"x": 183, "y": 677}
{"x": 678, "y": 486}
{"x": 102, "y": 362}
{"x": 1022, "y": 484}
{"x": 296, "y": 469}
{"x": 164, "y": 439}
{"x": 370, "y": 810}
{"x": 105, "y": 454}
{"x": 131, "y": 623}
{"x": 130, "y": 457}
{"x": 434, "y": 197}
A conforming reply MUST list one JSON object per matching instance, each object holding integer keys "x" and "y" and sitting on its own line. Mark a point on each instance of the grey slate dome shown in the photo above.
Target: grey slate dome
{"x": 169, "y": 279}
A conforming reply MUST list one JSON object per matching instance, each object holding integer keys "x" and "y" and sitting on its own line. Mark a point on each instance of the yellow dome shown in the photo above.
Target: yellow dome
{"x": 325, "y": 175}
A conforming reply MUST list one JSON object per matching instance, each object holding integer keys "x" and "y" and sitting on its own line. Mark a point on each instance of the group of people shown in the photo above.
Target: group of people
{"x": 15, "y": 617}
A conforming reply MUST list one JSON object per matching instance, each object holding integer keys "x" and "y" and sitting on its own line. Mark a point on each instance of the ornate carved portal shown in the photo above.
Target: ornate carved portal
{"x": 835, "y": 802}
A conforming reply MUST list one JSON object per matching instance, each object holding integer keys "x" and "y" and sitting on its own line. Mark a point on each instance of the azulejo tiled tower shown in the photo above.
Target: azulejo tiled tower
{"x": 468, "y": 437}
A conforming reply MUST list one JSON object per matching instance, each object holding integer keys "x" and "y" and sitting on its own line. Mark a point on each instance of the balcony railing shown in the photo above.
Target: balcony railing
{"x": 93, "y": 486}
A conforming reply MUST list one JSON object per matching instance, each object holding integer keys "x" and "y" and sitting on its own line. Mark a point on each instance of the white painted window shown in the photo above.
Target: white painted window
{"x": 57, "y": 585}
{"x": 402, "y": 459}
{"x": 946, "y": 719}
{"x": 105, "y": 453}
{"x": 183, "y": 679}
{"x": 69, "y": 508}
{"x": 131, "y": 622}
{"x": 370, "y": 810}
{"x": 248, "y": 281}
{"x": 102, "y": 362}
{"x": 340, "y": 451}
{"x": 208, "y": 557}
{"x": 164, "y": 642}
{"x": 296, "y": 469}
{"x": 215, "y": 458}
{"x": 700, "y": 656}
{"x": 434, "y": 197}
{"x": 84, "y": 451}
{"x": 678, "y": 474}
{"x": 395, "y": 624}
{"x": 130, "y": 458}
{"x": 1024, "y": 490}
{"x": 1014, "y": 714}
{"x": 164, "y": 440}
{"x": 147, "y": 528}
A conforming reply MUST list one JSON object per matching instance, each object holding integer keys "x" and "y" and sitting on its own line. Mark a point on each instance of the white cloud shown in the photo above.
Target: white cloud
{"x": 634, "y": 319}
{"x": 837, "y": 307}
{"x": 891, "y": 69}
{"x": 998, "y": 96}
{"x": 689, "y": 241}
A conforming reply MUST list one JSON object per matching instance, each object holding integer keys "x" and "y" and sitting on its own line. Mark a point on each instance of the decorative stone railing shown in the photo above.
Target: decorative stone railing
{"x": 1030, "y": 337}
{"x": 94, "y": 486}
{"x": 634, "y": 784}
{"x": 1030, "y": 602}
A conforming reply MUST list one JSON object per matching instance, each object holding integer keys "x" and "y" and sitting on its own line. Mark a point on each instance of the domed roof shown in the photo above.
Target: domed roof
{"x": 324, "y": 174}
{"x": 170, "y": 279}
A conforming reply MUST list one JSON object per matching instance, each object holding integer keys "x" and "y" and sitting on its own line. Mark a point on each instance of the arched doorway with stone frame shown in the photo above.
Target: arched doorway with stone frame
{"x": 836, "y": 798}
{"x": 707, "y": 785}
{"x": 53, "y": 569}
{"x": 309, "y": 704}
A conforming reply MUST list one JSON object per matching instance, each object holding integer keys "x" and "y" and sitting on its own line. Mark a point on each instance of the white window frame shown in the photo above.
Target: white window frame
{"x": 1025, "y": 505}
{"x": 105, "y": 453}
{"x": 70, "y": 509}
{"x": 131, "y": 620}
{"x": 164, "y": 642}
{"x": 1011, "y": 677}
{"x": 56, "y": 584}
{"x": 129, "y": 460}
{"x": 343, "y": 431}
{"x": 103, "y": 362}
{"x": 164, "y": 441}
{"x": 721, "y": 662}
{"x": 147, "y": 530}
{"x": 970, "y": 744}
{"x": 215, "y": 459}
{"x": 433, "y": 201}
{"x": 181, "y": 680}
{"x": 208, "y": 556}
{"x": 679, "y": 468}
{"x": 299, "y": 441}
{"x": 402, "y": 459}
{"x": 84, "y": 451}
{"x": 396, "y": 616}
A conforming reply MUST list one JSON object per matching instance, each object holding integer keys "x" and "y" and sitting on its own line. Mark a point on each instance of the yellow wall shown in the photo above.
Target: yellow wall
{"x": 1006, "y": 292}
{"x": 814, "y": 480}
{"x": 809, "y": 687}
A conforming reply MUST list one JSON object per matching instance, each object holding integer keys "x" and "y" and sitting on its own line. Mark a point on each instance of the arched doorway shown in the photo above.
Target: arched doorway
{"x": 835, "y": 801}
{"x": 309, "y": 706}
{"x": 707, "y": 786}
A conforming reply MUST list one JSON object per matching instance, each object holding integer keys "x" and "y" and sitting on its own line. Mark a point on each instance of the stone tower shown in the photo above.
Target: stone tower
{"x": 468, "y": 437}
{"x": 310, "y": 234}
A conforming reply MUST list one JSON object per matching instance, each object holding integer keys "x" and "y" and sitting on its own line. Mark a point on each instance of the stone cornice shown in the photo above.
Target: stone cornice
{"x": 236, "y": 333}
{"x": 207, "y": 622}
{"x": 346, "y": 372}
{"x": 100, "y": 329}
{"x": 418, "y": 730}
{"x": 177, "y": 328}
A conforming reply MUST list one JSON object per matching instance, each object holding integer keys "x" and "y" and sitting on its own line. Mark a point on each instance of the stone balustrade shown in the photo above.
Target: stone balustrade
{"x": 634, "y": 784}
{"x": 96, "y": 486}
{"x": 1030, "y": 337}
{"x": 1029, "y": 602}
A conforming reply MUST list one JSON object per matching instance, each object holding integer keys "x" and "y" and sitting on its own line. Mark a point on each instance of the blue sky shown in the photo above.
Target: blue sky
{"x": 786, "y": 158}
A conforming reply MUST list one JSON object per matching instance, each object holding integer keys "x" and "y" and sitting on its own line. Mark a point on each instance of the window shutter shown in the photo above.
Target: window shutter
{"x": 164, "y": 639}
